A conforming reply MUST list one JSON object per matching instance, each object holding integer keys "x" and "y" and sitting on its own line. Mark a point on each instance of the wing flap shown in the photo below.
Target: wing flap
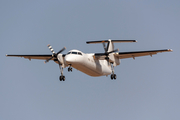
{"x": 123, "y": 55}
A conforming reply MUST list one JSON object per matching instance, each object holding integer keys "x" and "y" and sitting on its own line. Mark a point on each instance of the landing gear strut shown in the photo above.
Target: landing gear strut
{"x": 113, "y": 76}
{"x": 62, "y": 77}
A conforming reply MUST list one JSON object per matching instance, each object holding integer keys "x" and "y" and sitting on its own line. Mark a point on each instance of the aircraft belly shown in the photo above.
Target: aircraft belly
{"x": 89, "y": 71}
{"x": 88, "y": 65}
{"x": 95, "y": 69}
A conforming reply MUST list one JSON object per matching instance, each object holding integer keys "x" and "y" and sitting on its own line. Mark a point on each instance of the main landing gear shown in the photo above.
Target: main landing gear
{"x": 62, "y": 77}
{"x": 113, "y": 76}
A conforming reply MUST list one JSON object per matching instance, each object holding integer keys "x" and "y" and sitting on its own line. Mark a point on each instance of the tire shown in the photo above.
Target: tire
{"x": 60, "y": 78}
{"x": 112, "y": 76}
{"x": 115, "y": 76}
{"x": 63, "y": 78}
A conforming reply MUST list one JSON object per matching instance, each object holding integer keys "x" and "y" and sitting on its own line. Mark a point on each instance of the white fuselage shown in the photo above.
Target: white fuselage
{"x": 87, "y": 64}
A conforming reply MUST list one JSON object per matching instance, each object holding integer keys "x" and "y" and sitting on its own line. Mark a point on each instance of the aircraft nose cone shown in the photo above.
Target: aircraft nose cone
{"x": 69, "y": 59}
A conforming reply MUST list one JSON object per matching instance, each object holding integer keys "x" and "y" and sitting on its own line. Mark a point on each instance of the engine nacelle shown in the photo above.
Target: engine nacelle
{"x": 116, "y": 62}
{"x": 61, "y": 59}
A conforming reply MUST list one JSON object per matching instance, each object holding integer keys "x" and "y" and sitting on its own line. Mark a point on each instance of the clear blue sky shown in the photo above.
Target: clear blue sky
{"x": 146, "y": 88}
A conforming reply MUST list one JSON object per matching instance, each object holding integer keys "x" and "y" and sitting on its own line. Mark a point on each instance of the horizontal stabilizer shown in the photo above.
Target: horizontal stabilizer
{"x": 113, "y": 41}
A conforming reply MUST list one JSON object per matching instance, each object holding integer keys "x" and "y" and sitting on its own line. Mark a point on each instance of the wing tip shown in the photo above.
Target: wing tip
{"x": 170, "y": 50}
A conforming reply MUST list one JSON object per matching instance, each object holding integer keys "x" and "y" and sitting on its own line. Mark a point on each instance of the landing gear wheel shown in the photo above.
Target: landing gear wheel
{"x": 112, "y": 76}
{"x": 115, "y": 76}
{"x": 69, "y": 69}
{"x": 62, "y": 78}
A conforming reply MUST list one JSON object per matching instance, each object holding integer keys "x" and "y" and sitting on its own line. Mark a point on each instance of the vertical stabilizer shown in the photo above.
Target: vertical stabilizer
{"x": 110, "y": 46}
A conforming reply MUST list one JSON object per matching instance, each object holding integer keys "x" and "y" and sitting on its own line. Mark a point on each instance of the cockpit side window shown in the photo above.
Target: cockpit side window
{"x": 68, "y": 53}
{"x": 79, "y": 53}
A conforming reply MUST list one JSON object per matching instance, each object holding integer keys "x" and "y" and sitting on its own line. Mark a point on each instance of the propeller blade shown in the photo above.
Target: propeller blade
{"x": 113, "y": 51}
{"x": 51, "y": 49}
{"x": 48, "y": 60}
{"x": 101, "y": 54}
{"x": 54, "y": 55}
{"x": 61, "y": 50}
{"x": 105, "y": 49}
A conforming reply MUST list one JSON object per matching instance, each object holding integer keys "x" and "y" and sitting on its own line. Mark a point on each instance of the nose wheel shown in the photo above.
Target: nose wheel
{"x": 70, "y": 69}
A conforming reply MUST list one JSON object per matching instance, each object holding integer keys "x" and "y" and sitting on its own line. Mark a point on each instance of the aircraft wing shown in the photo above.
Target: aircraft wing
{"x": 40, "y": 57}
{"x": 123, "y": 55}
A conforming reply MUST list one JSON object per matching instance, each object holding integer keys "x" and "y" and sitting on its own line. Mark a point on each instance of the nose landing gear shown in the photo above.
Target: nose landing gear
{"x": 70, "y": 69}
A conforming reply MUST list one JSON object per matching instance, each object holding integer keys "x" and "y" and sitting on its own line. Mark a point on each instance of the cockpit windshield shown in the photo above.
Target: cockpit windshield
{"x": 76, "y": 53}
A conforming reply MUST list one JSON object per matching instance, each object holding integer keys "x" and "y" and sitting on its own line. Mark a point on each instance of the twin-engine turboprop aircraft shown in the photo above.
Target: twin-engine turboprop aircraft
{"x": 95, "y": 64}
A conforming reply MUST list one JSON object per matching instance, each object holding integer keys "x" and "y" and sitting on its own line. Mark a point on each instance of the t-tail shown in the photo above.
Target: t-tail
{"x": 109, "y": 50}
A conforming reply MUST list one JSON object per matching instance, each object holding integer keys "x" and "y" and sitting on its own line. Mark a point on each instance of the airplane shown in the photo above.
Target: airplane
{"x": 92, "y": 64}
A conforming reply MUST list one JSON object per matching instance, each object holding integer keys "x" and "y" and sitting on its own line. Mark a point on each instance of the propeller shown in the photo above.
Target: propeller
{"x": 106, "y": 52}
{"x": 54, "y": 55}
{"x": 105, "y": 48}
